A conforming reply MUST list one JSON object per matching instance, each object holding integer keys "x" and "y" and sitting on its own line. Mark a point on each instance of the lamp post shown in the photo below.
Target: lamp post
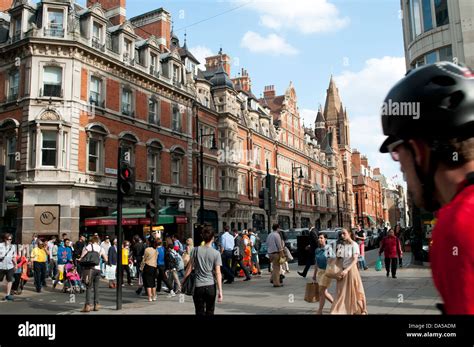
{"x": 293, "y": 168}
{"x": 201, "y": 157}
{"x": 339, "y": 219}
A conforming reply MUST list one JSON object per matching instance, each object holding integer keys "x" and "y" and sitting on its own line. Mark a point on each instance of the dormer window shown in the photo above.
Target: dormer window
{"x": 127, "y": 52}
{"x": 55, "y": 23}
{"x": 16, "y": 29}
{"x": 153, "y": 64}
{"x": 97, "y": 36}
{"x": 176, "y": 78}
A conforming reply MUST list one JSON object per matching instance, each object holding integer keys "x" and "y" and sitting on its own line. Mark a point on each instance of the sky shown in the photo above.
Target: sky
{"x": 359, "y": 42}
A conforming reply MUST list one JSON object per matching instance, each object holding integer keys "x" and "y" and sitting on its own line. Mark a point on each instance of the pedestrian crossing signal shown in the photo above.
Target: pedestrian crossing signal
{"x": 126, "y": 180}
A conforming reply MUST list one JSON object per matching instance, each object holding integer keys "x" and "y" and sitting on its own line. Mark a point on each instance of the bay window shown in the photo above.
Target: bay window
{"x": 49, "y": 147}
{"x": 52, "y": 81}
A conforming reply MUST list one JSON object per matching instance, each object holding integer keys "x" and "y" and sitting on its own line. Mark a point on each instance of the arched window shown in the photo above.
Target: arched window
{"x": 127, "y": 143}
{"x": 8, "y": 144}
{"x": 154, "y": 160}
{"x": 96, "y": 135}
{"x": 177, "y": 155}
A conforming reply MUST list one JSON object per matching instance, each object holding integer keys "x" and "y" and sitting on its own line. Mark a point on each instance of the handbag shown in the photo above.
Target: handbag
{"x": 190, "y": 282}
{"x": 282, "y": 260}
{"x": 312, "y": 292}
{"x": 378, "y": 264}
{"x": 91, "y": 259}
{"x": 334, "y": 268}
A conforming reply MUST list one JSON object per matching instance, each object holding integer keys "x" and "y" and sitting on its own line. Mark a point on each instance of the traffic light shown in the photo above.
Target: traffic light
{"x": 263, "y": 199}
{"x": 126, "y": 181}
{"x": 151, "y": 210}
{"x": 7, "y": 189}
{"x": 270, "y": 183}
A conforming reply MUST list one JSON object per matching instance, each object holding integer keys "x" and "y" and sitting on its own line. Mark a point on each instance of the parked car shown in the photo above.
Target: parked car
{"x": 291, "y": 236}
{"x": 333, "y": 237}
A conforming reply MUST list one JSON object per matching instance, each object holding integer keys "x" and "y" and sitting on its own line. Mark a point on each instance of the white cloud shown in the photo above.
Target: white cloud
{"x": 363, "y": 92}
{"x": 307, "y": 16}
{"x": 308, "y": 117}
{"x": 201, "y": 52}
{"x": 271, "y": 44}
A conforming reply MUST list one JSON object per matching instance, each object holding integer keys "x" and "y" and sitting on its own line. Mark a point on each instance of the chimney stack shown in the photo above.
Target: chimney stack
{"x": 5, "y": 5}
{"x": 213, "y": 63}
{"x": 269, "y": 92}
{"x": 115, "y": 10}
{"x": 156, "y": 23}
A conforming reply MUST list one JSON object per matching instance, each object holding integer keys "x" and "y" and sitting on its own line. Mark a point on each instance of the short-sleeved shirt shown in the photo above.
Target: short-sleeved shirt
{"x": 227, "y": 241}
{"x": 322, "y": 255}
{"x": 454, "y": 234}
{"x": 64, "y": 255}
{"x": 205, "y": 261}
{"x": 346, "y": 252}
{"x": 160, "y": 260}
{"x": 39, "y": 255}
{"x": 7, "y": 253}
{"x": 253, "y": 239}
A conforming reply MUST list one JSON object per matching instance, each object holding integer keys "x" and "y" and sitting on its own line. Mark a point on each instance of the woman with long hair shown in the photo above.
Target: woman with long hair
{"x": 350, "y": 294}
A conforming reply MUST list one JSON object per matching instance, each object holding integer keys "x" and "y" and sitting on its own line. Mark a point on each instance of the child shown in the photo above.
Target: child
{"x": 73, "y": 276}
{"x": 21, "y": 273}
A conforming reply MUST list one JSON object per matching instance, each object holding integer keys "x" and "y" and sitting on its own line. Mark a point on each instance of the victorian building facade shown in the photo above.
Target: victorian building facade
{"x": 78, "y": 83}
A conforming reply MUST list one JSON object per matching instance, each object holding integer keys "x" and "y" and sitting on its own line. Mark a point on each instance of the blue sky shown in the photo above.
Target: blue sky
{"x": 360, "y": 42}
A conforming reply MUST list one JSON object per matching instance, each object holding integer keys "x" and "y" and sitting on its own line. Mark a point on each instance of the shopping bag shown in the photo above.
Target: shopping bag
{"x": 110, "y": 272}
{"x": 334, "y": 268}
{"x": 133, "y": 270}
{"x": 312, "y": 292}
{"x": 378, "y": 264}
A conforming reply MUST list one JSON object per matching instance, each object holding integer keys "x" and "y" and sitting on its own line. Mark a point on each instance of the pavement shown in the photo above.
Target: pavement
{"x": 411, "y": 293}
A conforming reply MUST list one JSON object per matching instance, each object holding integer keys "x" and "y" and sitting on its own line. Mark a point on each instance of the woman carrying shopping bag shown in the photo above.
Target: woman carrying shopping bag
{"x": 350, "y": 294}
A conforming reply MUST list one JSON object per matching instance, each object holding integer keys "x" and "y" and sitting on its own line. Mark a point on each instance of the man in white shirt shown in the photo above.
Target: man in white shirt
{"x": 227, "y": 246}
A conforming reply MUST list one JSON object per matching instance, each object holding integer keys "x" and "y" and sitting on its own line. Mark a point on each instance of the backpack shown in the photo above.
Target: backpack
{"x": 171, "y": 261}
{"x": 91, "y": 259}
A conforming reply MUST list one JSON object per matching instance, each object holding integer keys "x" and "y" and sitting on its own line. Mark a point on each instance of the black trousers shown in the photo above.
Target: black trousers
{"x": 227, "y": 271}
{"x": 309, "y": 261}
{"x": 161, "y": 276}
{"x": 93, "y": 284}
{"x": 126, "y": 268}
{"x": 39, "y": 274}
{"x": 205, "y": 300}
{"x": 391, "y": 264}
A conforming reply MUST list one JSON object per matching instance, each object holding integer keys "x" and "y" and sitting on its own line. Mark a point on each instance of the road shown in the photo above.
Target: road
{"x": 411, "y": 293}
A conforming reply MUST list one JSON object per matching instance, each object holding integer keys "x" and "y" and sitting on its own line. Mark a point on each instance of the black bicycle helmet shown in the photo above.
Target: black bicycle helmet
{"x": 441, "y": 100}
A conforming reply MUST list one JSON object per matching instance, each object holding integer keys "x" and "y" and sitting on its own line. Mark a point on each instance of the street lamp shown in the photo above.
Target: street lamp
{"x": 340, "y": 221}
{"x": 293, "y": 168}
{"x": 201, "y": 157}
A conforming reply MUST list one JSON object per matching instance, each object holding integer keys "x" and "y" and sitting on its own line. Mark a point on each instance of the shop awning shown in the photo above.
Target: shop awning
{"x": 137, "y": 216}
{"x": 371, "y": 219}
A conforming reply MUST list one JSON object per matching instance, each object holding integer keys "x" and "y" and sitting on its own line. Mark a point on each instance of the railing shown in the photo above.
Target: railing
{"x": 12, "y": 97}
{"x": 96, "y": 44}
{"x": 16, "y": 37}
{"x": 126, "y": 111}
{"x": 54, "y": 32}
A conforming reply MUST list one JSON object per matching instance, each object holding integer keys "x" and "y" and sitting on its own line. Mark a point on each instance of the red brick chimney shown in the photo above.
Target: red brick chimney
{"x": 269, "y": 92}
{"x": 212, "y": 63}
{"x": 356, "y": 162}
{"x": 5, "y": 5}
{"x": 243, "y": 80}
{"x": 364, "y": 161}
{"x": 156, "y": 23}
{"x": 114, "y": 10}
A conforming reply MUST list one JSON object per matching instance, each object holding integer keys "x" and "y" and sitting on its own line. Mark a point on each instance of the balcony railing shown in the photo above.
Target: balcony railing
{"x": 96, "y": 44}
{"x": 54, "y": 32}
{"x": 154, "y": 72}
{"x": 16, "y": 37}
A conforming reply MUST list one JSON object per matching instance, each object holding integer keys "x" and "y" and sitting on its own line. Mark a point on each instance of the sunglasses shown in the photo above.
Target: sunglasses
{"x": 393, "y": 149}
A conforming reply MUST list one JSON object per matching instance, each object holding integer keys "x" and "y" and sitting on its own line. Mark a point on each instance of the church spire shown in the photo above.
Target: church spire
{"x": 332, "y": 106}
